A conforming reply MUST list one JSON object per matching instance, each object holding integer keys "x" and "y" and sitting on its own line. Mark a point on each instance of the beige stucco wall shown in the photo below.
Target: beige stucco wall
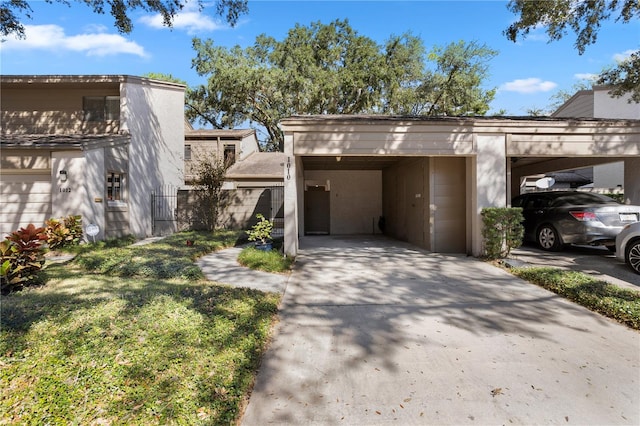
{"x": 154, "y": 115}
{"x": 355, "y": 199}
{"x": 70, "y": 197}
{"x": 94, "y": 174}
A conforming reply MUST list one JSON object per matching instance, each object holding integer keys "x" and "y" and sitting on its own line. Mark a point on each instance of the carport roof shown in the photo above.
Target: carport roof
{"x": 372, "y": 118}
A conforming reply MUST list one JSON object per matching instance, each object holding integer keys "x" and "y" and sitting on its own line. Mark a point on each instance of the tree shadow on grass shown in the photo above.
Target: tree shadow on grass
{"x": 164, "y": 336}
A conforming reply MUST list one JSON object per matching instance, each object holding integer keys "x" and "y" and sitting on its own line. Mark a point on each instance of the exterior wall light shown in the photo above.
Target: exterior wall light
{"x": 63, "y": 175}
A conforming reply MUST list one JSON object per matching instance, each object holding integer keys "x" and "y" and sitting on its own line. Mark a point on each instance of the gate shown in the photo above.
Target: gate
{"x": 164, "y": 202}
{"x": 277, "y": 210}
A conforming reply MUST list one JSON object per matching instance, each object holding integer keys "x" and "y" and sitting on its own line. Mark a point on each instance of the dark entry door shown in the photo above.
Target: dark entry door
{"x": 316, "y": 211}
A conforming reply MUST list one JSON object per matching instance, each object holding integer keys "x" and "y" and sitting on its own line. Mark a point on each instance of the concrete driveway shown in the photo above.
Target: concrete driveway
{"x": 374, "y": 331}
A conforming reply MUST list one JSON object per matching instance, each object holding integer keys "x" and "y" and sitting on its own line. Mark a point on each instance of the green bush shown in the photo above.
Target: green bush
{"x": 619, "y": 197}
{"x": 64, "y": 232}
{"x": 502, "y": 230}
{"x": 261, "y": 231}
{"x": 22, "y": 258}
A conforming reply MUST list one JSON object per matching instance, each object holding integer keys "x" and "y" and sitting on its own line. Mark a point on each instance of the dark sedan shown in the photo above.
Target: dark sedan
{"x": 554, "y": 219}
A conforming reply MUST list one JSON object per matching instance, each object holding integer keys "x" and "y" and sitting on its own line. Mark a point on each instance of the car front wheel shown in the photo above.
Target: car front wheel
{"x": 548, "y": 238}
{"x": 633, "y": 255}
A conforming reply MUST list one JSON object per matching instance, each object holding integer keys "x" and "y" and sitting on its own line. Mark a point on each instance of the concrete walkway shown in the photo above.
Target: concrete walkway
{"x": 223, "y": 267}
{"x": 373, "y": 331}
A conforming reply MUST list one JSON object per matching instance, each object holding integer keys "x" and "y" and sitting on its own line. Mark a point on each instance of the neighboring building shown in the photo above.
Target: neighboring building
{"x": 598, "y": 103}
{"x": 253, "y": 183}
{"x": 230, "y": 145}
{"x": 97, "y": 146}
{"x": 257, "y": 185}
{"x": 430, "y": 178}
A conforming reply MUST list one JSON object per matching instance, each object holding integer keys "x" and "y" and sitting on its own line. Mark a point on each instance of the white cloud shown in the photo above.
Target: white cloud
{"x": 621, "y": 57}
{"x": 528, "y": 85}
{"x": 53, "y": 37}
{"x": 190, "y": 19}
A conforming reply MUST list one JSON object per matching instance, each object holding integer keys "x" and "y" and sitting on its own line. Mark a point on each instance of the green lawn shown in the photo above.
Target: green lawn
{"x": 268, "y": 261}
{"x": 132, "y": 336}
{"x": 621, "y": 304}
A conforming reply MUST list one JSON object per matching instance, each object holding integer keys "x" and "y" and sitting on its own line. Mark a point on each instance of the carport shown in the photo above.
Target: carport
{"x": 429, "y": 178}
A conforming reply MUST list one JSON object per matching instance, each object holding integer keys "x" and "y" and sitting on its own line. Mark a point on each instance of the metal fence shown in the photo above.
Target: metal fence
{"x": 164, "y": 201}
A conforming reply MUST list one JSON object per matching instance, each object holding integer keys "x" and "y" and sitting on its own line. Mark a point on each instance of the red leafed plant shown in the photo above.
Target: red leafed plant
{"x": 22, "y": 257}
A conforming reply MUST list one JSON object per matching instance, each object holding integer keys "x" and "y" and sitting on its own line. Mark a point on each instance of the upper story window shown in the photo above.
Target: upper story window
{"x": 229, "y": 154}
{"x": 187, "y": 152}
{"x": 101, "y": 108}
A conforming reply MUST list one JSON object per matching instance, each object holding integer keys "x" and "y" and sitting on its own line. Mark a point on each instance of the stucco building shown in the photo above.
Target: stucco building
{"x": 97, "y": 146}
{"x": 429, "y": 178}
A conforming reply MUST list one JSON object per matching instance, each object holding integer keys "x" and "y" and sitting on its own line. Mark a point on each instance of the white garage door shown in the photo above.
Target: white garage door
{"x": 24, "y": 198}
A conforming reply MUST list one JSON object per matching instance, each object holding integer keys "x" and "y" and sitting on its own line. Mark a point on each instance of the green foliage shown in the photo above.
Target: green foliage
{"x": 165, "y": 77}
{"x": 265, "y": 260}
{"x": 121, "y": 10}
{"x": 454, "y": 86}
{"x": 502, "y": 230}
{"x": 63, "y": 232}
{"x": 163, "y": 259}
{"x": 584, "y": 18}
{"x": 614, "y": 302}
{"x": 22, "y": 258}
{"x": 624, "y": 77}
{"x": 261, "y": 231}
{"x": 619, "y": 197}
{"x": 210, "y": 175}
{"x": 88, "y": 349}
{"x": 331, "y": 69}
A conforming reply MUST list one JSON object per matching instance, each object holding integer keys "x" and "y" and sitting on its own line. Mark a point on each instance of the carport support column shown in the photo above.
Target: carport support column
{"x": 290, "y": 199}
{"x": 491, "y": 181}
{"x": 632, "y": 180}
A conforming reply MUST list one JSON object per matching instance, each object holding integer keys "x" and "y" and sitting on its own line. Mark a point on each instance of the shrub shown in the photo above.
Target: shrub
{"x": 22, "y": 258}
{"x": 261, "y": 231}
{"x": 64, "y": 232}
{"x": 502, "y": 230}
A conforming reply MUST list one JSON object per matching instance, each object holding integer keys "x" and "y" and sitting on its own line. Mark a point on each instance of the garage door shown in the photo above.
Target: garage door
{"x": 24, "y": 198}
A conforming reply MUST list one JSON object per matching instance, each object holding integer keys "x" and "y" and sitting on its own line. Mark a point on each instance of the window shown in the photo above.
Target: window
{"x": 229, "y": 154}
{"x": 187, "y": 152}
{"x": 101, "y": 108}
{"x": 115, "y": 186}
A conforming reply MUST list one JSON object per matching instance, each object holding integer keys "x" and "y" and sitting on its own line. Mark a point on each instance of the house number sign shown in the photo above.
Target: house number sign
{"x": 65, "y": 189}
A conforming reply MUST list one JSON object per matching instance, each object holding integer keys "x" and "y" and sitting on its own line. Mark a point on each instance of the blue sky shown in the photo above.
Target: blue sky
{"x": 74, "y": 40}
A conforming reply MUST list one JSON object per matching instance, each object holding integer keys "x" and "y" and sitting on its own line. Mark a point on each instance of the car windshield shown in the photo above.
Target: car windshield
{"x": 581, "y": 198}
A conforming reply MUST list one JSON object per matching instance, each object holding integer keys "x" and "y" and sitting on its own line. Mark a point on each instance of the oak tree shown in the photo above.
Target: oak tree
{"x": 331, "y": 69}
{"x": 584, "y": 18}
{"x": 13, "y": 12}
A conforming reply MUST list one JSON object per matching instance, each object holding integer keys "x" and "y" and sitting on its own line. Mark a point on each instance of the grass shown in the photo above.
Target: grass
{"x": 612, "y": 301}
{"x": 268, "y": 261}
{"x": 170, "y": 257}
{"x": 124, "y": 346}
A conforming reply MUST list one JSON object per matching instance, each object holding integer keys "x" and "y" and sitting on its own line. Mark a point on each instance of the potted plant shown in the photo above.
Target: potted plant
{"x": 261, "y": 233}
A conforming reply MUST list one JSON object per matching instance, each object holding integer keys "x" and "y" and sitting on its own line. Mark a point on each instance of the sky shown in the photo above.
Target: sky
{"x": 75, "y": 40}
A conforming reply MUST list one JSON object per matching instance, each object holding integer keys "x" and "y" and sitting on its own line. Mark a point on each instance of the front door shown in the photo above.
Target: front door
{"x": 316, "y": 211}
